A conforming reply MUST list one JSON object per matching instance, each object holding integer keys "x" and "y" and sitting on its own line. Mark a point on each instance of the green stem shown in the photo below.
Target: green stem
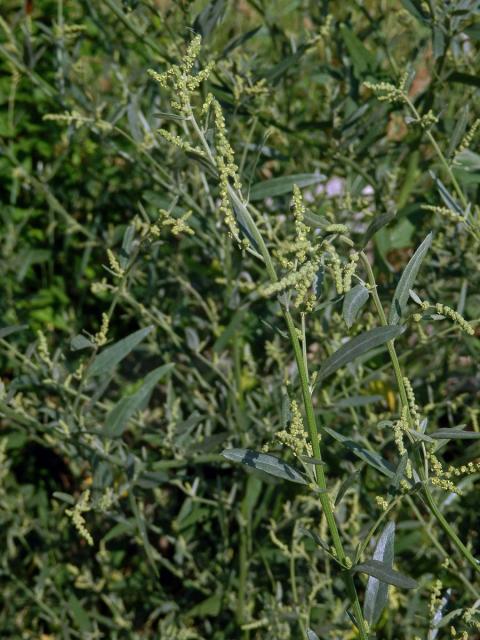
{"x": 439, "y": 153}
{"x": 401, "y": 387}
{"x": 252, "y": 228}
{"x": 321, "y": 480}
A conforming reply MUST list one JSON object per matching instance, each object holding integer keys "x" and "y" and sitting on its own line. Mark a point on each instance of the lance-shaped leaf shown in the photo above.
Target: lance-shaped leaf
{"x": 119, "y": 416}
{"x": 79, "y": 342}
{"x": 264, "y": 462}
{"x": 353, "y": 302}
{"x": 114, "y": 354}
{"x": 6, "y": 331}
{"x": 358, "y": 346}
{"x": 376, "y": 593}
{"x": 284, "y": 184}
{"x": 454, "y": 434}
{"x": 372, "y": 458}
{"x": 407, "y": 281}
{"x": 384, "y": 573}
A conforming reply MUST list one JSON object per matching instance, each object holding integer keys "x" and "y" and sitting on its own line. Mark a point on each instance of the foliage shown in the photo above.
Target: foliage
{"x": 240, "y": 305}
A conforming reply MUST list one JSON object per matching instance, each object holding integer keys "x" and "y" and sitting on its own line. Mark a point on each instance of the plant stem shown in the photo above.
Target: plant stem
{"x": 312, "y": 429}
{"x": 401, "y": 387}
{"x": 439, "y": 153}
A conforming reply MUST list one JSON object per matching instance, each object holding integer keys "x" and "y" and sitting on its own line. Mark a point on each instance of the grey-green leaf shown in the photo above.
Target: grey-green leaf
{"x": 407, "y": 280}
{"x": 454, "y": 434}
{"x": 264, "y": 462}
{"x": 383, "y": 572}
{"x": 13, "y": 328}
{"x": 446, "y": 196}
{"x": 121, "y": 413}
{"x": 358, "y": 346}
{"x": 311, "y": 635}
{"x": 227, "y": 334}
{"x": 353, "y": 302}
{"x": 114, "y": 354}
{"x": 376, "y": 593}
{"x": 80, "y": 342}
{"x": 284, "y": 184}
{"x": 370, "y": 457}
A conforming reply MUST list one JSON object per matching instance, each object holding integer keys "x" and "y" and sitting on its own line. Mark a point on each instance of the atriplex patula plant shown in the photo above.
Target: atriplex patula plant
{"x": 294, "y": 263}
{"x": 160, "y": 305}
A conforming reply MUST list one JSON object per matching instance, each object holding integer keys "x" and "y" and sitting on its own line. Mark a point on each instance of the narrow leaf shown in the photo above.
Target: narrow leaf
{"x": 377, "y": 223}
{"x": 446, "y": 196}
{"x": 119, "y": 416}
{"x": 415, "y": 8}
{"x": 264, "y": 462}
{"x": 459, "y": 130}
{"x": 350, "y": 480}
{"x": 283, "y": 185}
{"x": 370, "y": 457}
{"x": 407, "y": 280}
{"x": 353, "y": 302}
{"x": 114, "y": 354}
{"x": 454, "y": 434}
{"x": 376, "y": 593}
{"x": 13, "y": 328}
{"x": 358, "y": 346}
{"x": 383, "y": 572}
{"x": 80, "y": 342}
{"x": 233, "y": 326}
{"x": 362, "y": 59}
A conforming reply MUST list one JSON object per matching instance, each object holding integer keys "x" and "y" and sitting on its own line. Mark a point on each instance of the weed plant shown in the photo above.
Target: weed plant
{"x": 240, "y": 306}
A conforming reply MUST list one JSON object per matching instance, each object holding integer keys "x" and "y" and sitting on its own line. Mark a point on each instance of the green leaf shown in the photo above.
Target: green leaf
{"x": 415, "y": 8}
{"x": 142, "y": 529}
{"x": 383, "y": 572}
{"x": 353, "y": 302}
{"x": 119, "y": 416}
{"x": 464, "y": 78}
{"x": 241, "y": 215}
{"x": 362, "y": 59}
{"x": 283, "y": 185}
{"x": 459, "y": 130}
{"x": 438, "y": 40}
{"x": 264, "y": 462}
{"x": 350, "y": 480}
{"x": 211, "y": 606}
{"x": 377, "y": 223}
{"x": 79, "y": 614}
{"x": 370, "y": 457}
{"x": 311, "y": 635}
{"x": 64, "y": 497}
{"x": 114, "y": 354}
{"x": 376, "y": 593}
{"x": 207, "y": 20}
{"x": 446, "y": 196}
{"x": 454, "y": 434}
{"x": 407, "y": 280}
{"x": 80, "y": 342}
{"x": 13, "y": 328}
{"x": 225, "y": 337}
{"x": 400, "y": 471}
{"x": 358, "y": 346}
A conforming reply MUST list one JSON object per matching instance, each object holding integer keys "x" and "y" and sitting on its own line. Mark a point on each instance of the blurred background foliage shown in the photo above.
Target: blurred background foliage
{"x": 185, "y": 545}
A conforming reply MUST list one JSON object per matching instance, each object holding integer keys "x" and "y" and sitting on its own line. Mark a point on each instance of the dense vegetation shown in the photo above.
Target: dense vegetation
{"x": 239, "y": 319}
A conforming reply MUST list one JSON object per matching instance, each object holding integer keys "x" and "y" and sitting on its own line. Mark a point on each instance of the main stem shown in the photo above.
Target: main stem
{"x": 321, "y": 480}
{"x": 257, "y": 237}
{"x": 310, "y": 417}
